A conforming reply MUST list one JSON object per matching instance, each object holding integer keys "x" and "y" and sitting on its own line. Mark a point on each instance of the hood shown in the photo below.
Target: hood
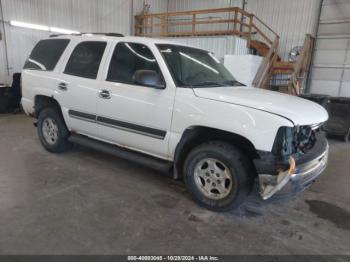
{"x": 299, "y": 111}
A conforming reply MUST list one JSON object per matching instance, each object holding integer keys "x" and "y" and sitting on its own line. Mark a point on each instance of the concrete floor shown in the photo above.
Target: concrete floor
{"x": 86, "y": 202}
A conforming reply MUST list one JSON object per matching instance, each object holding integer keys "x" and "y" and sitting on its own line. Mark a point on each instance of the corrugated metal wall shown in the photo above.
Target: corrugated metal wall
{"x": 184, "y": 5}
{"x": 220, "y": 46}
{"x": 291, "y": 20}
{"x": 157, "y": 6}
{"x": 80, "y": 15}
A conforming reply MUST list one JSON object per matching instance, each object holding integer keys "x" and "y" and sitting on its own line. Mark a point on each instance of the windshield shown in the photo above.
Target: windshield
{"x": 191, "y": 67}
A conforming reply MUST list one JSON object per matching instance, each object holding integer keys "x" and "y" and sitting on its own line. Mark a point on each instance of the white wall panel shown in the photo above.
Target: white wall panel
{"x": 345, "y": 89}
{"x": 328, "y": 74}
{"x": 3, "y": 67}
{"x": 325, "y": 87}
{"x": 156, "y": 6}
{"x": 332, "y": 52}
{"x": 335, "y": 9}
{"x": 80, "y": 15}
{"x": 188, "y": 5}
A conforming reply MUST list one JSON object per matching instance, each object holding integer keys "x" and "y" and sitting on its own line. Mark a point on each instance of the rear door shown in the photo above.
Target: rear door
{"x": 130, "y": 114}
{"x": 79, "y": 86}
{"x": 40, "y": 71}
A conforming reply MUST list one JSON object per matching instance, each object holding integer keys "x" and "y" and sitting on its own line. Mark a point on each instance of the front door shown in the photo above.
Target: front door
{"x": 129, "y": 114}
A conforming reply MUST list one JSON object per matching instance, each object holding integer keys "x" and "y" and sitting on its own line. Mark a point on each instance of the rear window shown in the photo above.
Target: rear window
{"x": 85, "y": 59}
{"x": 46, "y": 54}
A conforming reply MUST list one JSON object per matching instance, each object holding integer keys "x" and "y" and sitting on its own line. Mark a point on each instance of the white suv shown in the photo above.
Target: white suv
{"x": 173, "y": 107}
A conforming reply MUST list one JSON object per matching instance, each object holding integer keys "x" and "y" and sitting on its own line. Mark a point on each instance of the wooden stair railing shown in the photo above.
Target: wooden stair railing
{"x": 230, "y": 21}
{"x": 220, "y": 21}
{"x": 265, "y": 71}
{"x": 302, "y": 66}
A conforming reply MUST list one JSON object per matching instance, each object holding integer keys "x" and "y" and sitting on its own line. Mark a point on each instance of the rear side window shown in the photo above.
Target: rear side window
{"x": 86, "y": 59}
{"x": 127, "y": 59}
{"x": 46, "y": 54}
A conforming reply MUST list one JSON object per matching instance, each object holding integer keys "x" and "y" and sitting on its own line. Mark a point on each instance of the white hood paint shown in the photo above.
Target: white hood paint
{"x": 298, "y": 110}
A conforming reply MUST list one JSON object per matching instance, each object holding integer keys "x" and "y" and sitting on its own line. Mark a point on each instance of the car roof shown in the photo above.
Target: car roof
{"x": 117, "y": 38}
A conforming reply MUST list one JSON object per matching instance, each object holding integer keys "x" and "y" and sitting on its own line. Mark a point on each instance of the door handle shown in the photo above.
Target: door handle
{"x": 63, "y": 86}
{"x": 105, "y": 94}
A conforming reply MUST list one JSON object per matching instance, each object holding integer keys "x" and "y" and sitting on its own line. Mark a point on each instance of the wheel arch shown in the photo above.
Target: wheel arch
{"x": 196, "y": 135}
{"x": 43, "y": 101}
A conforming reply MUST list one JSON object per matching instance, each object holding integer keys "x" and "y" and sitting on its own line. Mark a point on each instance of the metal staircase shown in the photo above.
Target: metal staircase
{"x": 261, "y": 39}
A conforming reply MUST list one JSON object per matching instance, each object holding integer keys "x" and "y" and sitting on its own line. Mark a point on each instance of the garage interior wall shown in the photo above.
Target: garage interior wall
{"x": 79, "y": 15}
{"x": 219, "y": 45}
{"x": 291, "y": 19}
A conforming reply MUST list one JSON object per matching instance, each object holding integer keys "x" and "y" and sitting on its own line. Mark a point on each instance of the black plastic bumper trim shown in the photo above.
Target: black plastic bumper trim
{"x": 82, "y": 116}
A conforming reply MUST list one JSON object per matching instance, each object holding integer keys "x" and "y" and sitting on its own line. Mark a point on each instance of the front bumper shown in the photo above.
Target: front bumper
{"x": 301, "y": 174}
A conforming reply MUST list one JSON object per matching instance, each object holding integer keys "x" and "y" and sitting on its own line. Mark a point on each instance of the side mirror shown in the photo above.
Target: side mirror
{"x": 149, "y": 78}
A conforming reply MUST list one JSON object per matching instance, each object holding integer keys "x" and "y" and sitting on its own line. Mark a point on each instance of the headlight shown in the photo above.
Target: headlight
{"x": 291, "y": 140}
{"x": 283, "y": 145}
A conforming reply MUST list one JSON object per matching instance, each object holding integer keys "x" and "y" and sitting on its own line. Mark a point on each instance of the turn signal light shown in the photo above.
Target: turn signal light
{"x": 292, "y": 166}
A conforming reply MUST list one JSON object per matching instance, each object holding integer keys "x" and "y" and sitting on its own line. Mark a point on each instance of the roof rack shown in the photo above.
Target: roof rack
{"x": 107, "y": 34}
{"x": 80, "y": 34}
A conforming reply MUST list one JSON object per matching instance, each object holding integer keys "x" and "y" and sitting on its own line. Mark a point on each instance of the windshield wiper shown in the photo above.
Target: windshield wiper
{"x": 233, "y": 83}
{"x": 205, "y": 84}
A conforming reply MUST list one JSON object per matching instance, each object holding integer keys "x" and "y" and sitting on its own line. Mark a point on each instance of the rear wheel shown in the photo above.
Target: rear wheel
{"x": 218, "y": 175}
{"x": 52, "y": 131}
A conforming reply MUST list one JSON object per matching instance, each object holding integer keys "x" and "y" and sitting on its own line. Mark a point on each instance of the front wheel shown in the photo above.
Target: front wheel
{"x": 218, "y": 175}
{"x": 52, "y": 131}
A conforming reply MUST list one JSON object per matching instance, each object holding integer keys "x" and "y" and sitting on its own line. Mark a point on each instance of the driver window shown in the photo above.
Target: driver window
{"x": 127, "y": 58}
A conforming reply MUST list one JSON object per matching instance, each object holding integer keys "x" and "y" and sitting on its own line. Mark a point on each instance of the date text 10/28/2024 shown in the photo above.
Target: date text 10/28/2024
{"x": 173, "y": 258}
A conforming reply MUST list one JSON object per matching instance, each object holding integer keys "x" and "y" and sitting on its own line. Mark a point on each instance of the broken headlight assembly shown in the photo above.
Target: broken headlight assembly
{"x": 290, "y": 143}
{"x": 295, "y": 140}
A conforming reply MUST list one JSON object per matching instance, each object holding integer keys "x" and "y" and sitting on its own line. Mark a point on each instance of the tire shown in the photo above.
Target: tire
{"x": 52, "y": 131}
{"x": 224, "y": 193}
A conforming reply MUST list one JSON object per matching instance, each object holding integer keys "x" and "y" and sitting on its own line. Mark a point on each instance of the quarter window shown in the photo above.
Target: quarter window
{"x": 86, "y": 59}
{"x": 127, "y": 59}
{"x": 46, "y": 54}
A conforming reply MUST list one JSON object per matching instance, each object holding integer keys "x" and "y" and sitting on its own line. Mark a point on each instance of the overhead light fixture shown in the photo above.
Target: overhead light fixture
{"x": 63, "y": 31}
{"x": 29, "y": 26}
{"x": 43, "y": 28}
